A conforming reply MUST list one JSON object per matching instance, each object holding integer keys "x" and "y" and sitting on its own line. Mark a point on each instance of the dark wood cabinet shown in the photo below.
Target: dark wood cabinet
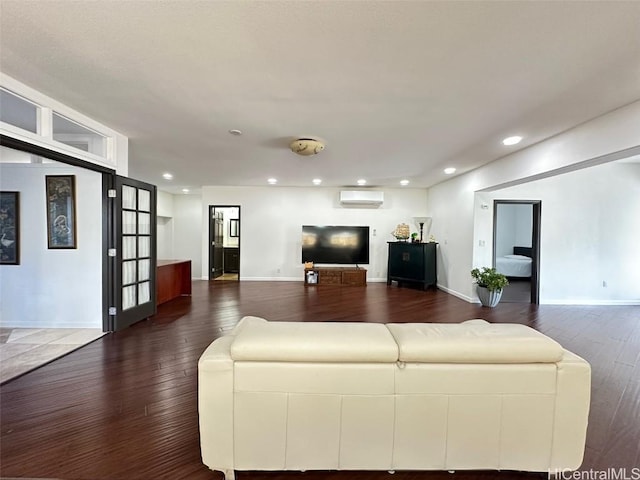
{"x": 231, "y": 260}
{"x": 354, "y": 276}
{"x": 173, "y": 279}
{"x": 412, "y": 262}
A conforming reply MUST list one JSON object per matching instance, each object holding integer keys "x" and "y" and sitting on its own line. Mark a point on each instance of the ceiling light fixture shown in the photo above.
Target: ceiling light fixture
{"x": 362, "y": 181}
{"x": 272, "y": 181}
{"x": 317, "y": 181}
{"x": 511, "y": 140}
{"x": 404, "y": 183}
{"x": 449, "y": 170}
{"x": 185, "y": 190}
{"x": 167, "y": 176}
{"x": 235, "y": 132}
{"x": 306, "y": 146}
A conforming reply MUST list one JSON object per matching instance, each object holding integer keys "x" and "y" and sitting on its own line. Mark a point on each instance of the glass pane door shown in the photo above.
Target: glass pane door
{"x": 136, "y": 261}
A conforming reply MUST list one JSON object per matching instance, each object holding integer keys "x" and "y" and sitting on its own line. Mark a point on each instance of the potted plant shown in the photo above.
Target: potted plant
{"x": 414, "y": 237}
{"x": 490, "y": 285}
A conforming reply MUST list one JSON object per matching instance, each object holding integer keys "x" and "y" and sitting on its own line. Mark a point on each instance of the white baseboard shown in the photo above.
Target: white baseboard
{"x": 458, "y": 294}
{"x": 583, "y": 301}
{"x": 272, "y": 279}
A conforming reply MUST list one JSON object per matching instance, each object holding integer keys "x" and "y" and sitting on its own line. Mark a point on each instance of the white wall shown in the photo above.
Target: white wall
{"x": 164, "y": 238}
{"x": 459, "y": 222}
{"x": 53, "y": 288}
{"x": 164, "y": 230}
{"x": 187, "y": 228}
{"x": 588, "y": 235}
{"x": 272, "y": 219}
{"x": 514, "y": 227}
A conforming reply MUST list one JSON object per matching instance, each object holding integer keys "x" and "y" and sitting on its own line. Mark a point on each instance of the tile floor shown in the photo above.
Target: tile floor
{"x": 227, "y": 276}
{"x": 23, "y": 349}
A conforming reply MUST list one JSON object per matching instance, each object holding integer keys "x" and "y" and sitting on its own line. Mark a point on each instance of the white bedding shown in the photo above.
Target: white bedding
{"x": 514, "y": 265}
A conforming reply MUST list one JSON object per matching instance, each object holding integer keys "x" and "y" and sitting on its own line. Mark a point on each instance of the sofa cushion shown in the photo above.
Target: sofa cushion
{"x": 475, "y": 341}
{"x": 314, "y": 342}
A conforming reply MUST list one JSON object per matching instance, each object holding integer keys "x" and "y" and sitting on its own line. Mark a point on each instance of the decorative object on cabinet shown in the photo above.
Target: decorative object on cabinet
{"x": 412, "y": 263}
{"x": 401, "y": 232}
{"x": 421, "y": 222}
{"x": 490, "y": 285}
{"x": 61, "y": 211}
{"x": 9, "y": 228}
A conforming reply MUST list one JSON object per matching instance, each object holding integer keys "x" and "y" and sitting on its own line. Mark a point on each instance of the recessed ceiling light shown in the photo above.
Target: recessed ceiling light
{"x": 317, "y": 181}
{"x": 167, "y": 176}
{"x": 362, "y": 181}
{"x": 404, "y": 183}
{"x": 449, "y": 170}
{"x": 185, "y": 190}
{"x": 235, "y": 132}
{"x": 272, "y": 181}
{"x": 511, "y": 140}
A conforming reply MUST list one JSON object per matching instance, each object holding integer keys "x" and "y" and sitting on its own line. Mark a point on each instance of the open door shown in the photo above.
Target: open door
{"x": 516, "y": 248}
{"x": 224, "y": 242}
{"x": 216, "y": 252}
{"x": 135, "y": 265}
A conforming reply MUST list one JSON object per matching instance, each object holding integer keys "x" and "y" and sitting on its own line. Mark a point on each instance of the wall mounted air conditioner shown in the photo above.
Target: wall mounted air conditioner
{"x": 361, "y": 197}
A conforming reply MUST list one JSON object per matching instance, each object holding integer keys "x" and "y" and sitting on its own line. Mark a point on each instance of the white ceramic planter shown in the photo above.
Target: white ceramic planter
{"x": 487, "y": 298}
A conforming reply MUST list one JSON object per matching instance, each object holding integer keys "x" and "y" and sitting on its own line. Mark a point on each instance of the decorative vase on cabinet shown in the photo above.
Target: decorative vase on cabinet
{"x": 412, "y": 263}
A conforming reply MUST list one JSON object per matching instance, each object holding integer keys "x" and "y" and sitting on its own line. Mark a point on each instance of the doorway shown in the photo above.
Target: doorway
{"x": 224, "y": 242}
{"x": 516, "y": 248}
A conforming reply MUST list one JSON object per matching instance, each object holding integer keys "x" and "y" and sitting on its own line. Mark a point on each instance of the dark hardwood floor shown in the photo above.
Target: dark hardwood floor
{"x": 124, "y": 407}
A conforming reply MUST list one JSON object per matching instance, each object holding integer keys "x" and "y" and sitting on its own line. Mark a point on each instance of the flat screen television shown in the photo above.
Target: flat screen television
{"x": 335, "y": 244}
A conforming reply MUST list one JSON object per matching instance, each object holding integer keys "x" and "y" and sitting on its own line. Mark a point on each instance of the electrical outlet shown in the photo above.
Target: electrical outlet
{"x": 374, "y": 232}
{"x": 604, "y": 283}
{"x": 481, "y": 243}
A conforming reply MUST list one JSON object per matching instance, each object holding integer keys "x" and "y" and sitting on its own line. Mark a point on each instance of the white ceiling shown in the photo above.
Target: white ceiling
{"x": 396, "y": 89}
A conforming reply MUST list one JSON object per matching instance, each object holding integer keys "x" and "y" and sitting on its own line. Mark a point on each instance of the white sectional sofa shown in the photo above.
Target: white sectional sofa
{"x": 363, "y": 396}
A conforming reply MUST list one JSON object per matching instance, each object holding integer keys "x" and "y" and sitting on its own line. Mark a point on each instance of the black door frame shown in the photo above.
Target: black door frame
{"x": 212, "y": 209}
{"x": 535, "y": 240}
{"x": 108, "y": 227}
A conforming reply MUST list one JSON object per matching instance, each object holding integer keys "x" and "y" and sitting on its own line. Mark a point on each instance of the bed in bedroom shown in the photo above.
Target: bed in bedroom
{"x": 517, "y": 265}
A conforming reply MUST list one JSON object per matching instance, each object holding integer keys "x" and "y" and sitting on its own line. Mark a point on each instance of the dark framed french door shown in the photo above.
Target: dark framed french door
{"x": 135, "y": 252}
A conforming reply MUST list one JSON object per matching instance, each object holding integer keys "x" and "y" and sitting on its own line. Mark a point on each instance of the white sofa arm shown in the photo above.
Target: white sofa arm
{"x": 573, "y": 392}
{"x": 215, "y": 406}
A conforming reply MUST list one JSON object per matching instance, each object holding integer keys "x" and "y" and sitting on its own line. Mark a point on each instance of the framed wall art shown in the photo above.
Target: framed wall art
{"x": 9, "y": 228}
{"x": 61, "y": 211}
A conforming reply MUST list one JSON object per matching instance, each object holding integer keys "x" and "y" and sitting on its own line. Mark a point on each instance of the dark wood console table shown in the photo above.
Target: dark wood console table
{"x": 173, "y": 279}
{"x": 353, "y": 276}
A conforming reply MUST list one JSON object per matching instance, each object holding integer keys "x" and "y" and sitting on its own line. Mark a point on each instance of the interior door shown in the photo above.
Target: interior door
{"x": 217, "y": 244}
{"x": 520, "y": 286}
{"x": 135, "y": 266}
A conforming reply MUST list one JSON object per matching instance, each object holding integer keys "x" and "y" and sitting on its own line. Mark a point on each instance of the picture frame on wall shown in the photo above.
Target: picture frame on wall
{"x": 61, "y": 211}
{"x": 9, "y": 228}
